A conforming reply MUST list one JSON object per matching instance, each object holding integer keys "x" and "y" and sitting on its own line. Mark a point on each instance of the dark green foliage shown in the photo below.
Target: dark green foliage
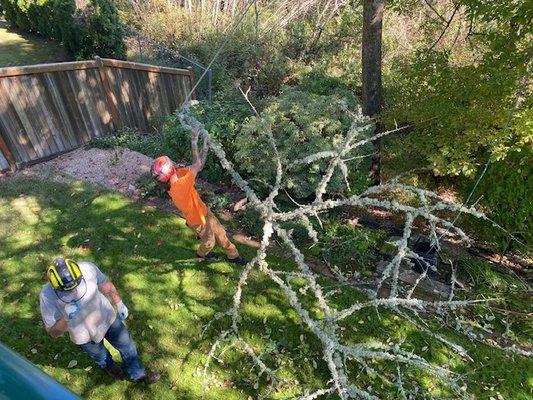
{"x": 93, "y": 30}
{"x": 302, "y": 123}
{"x": 150, "y": 145}
{"x": 481, "y": 275}
{"x": 35, "y": 16}
{"x": 468, "y": 105}
{"x": 223, "y": 119}
{"x": 507, "y": 191}
{"x": 251, "y": 222}
{"x": 349, "y": 247}
{"x": 218, "y": 202}
{"x": 508, "y": 293}
{"x": 149, "y": 187}
{"x": 87, "y": 32}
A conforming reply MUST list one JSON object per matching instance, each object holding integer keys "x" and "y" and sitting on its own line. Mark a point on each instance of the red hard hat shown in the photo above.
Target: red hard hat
{"x": 162, "y": 169}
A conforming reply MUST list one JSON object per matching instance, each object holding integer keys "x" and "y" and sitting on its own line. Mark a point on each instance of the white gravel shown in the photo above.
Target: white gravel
{"x": 117, "y": 169}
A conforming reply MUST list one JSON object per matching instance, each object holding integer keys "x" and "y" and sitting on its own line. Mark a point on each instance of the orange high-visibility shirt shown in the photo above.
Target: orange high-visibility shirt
{"x": 186, "y": 198}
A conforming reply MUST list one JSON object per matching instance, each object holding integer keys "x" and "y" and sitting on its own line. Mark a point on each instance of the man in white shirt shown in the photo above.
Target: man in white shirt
{"x": 76, "y": 300}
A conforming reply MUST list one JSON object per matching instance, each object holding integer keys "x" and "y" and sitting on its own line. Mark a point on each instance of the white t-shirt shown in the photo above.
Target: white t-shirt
{"x": 89, "y": 312}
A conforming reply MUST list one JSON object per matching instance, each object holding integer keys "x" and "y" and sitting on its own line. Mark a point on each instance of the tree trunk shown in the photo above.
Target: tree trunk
{"x": 372, "y": 22}
{"x": 371, "y": 61}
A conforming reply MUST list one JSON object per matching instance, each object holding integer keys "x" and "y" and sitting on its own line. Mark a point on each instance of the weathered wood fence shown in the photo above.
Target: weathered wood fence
{"x": 48, "y": 109}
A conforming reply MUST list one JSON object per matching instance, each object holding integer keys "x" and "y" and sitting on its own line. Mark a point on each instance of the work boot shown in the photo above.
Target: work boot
{"x": 149, "y": 378}
{"x": 209, "y": 257}
{"x": 238, "y": 260}
{"x": 115, "y": 372}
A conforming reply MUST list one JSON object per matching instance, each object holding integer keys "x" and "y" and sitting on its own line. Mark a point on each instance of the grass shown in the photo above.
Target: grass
{"x": 149, "y": 255}
{"x": 17, "y": 48}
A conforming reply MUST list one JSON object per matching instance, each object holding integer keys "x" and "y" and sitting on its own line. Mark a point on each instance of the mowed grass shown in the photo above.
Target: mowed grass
{"x": 149, "y": 255}
{"x": 18, "y": 48}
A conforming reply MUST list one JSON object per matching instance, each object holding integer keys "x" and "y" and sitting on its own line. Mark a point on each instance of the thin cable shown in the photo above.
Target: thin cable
{"x": 486, "y": 167}
{"x": 219, "y": 50}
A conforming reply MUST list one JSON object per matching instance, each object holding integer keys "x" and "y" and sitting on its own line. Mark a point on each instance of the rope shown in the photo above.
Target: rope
{"x": 219, "y": 50}
{"x": 485, "y": 169}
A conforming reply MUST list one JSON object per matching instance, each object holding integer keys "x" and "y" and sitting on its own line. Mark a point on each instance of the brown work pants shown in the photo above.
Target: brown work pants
{"x": 213, "y": 232}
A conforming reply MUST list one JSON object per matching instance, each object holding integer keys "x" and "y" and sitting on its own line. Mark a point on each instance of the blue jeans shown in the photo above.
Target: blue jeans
{"x": 120, "y": 339}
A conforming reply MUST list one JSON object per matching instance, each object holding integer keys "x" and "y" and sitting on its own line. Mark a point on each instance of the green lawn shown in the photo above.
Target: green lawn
{"x": 17, "y": 48}
{"x": 149, "y": 255}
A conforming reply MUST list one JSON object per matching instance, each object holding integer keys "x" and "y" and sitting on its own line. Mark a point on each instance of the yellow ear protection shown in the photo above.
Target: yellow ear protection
{"x": 64, "y": 274}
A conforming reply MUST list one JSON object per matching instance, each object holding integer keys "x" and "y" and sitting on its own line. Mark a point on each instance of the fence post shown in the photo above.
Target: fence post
{"x": 115, "y": 117}
{"x": 7, "y": 153}
{"x": 210, "y": 85}
{"x": 191, "y": 76}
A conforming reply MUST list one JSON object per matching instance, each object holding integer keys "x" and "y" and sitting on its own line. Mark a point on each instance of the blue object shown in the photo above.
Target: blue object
{"x": 119, "y": 337}
{"x": 21, "y": 380}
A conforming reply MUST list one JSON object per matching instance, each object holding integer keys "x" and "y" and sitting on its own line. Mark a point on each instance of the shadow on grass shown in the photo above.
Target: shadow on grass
{"x": 150, "y": 256}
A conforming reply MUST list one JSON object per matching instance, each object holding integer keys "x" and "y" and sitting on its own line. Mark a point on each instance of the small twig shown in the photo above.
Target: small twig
{"x": 444, "y": 30}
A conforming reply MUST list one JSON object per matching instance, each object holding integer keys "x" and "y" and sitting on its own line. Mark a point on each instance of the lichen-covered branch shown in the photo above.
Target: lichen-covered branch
{"x": 327, "y": 324}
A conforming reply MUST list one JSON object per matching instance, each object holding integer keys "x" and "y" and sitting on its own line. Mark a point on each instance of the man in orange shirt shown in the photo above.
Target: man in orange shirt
{"x": 179, "y": 182}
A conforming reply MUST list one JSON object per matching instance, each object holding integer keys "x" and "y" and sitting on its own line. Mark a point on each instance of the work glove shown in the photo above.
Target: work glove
{"x": 122, "y": 311}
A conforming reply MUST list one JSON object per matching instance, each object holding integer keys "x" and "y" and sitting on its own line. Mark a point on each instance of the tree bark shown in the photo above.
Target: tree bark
{"x": 371, "y": 62}
{"x": 371, "y": 55}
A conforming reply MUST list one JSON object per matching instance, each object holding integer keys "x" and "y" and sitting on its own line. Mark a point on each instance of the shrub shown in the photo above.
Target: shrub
{"x": 222, "y": 118}
{"x": 93, "y": 30}
{"x": 507, "y": 190}
{"x": 302, "y": 123}
{"x": 348, "y": 247}
{"x": 150, "y": 145}
{"x": 218, "y": 202}
{"x": 149, "y": 187}
{"x": 35, "y": 16}
{"x": 250, "y": 220}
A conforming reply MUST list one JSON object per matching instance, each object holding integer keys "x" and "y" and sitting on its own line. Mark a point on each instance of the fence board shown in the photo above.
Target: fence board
{"x": 3, "y": 162}
{"x": 48, "y": 109}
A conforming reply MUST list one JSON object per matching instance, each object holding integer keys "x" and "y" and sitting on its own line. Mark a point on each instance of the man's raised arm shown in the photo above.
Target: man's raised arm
{"x": 198, "y": 158}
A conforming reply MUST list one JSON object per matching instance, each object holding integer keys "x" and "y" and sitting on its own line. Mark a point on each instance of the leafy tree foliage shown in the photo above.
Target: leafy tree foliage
{"x": 92, "y": 30}
{"x": 302, "y": 123}
{"x": 470, "y": 102}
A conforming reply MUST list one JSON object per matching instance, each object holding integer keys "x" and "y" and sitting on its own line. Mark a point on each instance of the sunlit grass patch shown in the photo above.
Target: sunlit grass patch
{"x": 150, "y": 256}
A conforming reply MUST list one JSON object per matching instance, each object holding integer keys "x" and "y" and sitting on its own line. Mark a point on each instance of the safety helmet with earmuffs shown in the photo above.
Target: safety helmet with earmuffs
{"x": 64, "y": 274}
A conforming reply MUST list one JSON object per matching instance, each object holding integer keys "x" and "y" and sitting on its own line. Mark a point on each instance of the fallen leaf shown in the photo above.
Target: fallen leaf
{"x": 72, "y": 364}
{"x": 34, "y": 351}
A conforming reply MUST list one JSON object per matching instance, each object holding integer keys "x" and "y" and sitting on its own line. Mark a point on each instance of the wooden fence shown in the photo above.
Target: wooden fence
{"x": 48, "y": 109}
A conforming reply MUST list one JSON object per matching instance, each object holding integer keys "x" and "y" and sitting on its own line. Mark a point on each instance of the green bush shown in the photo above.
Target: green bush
{"x": 150, "y": 145}
{"x": 223, "y": 119}
{"x": 349, "y": 248}
{"x": 149, "y": 187}
{"x": 218, "y": 202}
{"x": 93, "y": 30}
{"x": 507, "y": 190}
{"x": 302, "y": 123}
{"x": 32, "y": 15}
{"x": 250, "y": 220}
